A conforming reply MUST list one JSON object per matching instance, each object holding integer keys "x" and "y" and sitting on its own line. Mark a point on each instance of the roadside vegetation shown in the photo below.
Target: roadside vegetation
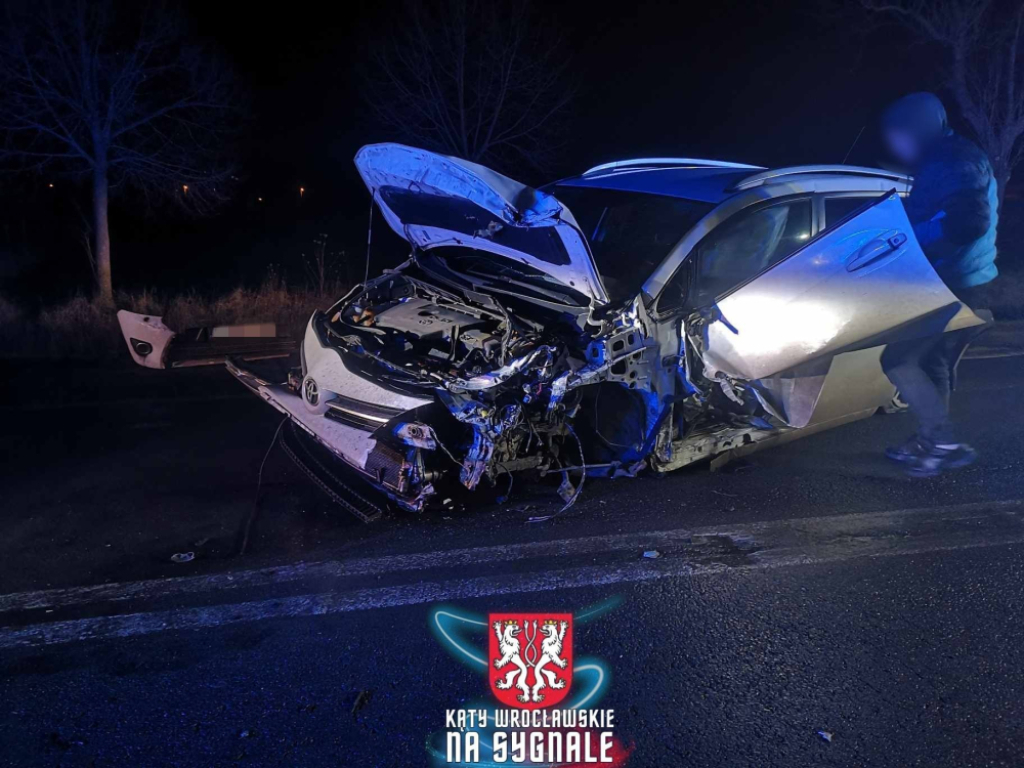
{"x": 85, "y": 328}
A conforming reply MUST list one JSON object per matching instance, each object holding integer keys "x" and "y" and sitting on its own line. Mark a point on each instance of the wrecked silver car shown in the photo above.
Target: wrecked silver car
{"x": 645, "y": 314}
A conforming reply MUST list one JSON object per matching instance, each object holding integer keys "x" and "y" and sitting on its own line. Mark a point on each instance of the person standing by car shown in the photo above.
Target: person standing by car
{"x": 953, "y": 209}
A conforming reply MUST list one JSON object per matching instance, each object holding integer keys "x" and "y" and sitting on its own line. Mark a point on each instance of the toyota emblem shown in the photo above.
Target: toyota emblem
{"x": 310, "y": 391}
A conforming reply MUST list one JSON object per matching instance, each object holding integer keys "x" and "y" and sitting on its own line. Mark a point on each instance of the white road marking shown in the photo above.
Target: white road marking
{"x": 319, "y": 571}
{"x": 759, "y": 546}
{"x": 423, "y": 561}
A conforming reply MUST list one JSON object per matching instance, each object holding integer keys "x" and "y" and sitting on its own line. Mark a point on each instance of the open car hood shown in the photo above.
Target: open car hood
{"x": 432, "y": 200}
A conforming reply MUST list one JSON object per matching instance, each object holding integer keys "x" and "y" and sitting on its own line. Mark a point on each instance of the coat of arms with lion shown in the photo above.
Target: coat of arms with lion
{"x": 530, "y": 658}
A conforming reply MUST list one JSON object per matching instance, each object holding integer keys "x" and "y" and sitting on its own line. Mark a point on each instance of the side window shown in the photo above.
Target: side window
{"x": 738, "y": 249}
{"x": 838, "y": 208}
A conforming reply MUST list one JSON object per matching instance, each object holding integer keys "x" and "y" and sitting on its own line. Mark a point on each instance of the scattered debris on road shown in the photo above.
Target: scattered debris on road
{"x": 652, "y": 553}
{"x": 825, "y": 736}
{"x": 361, "y": 701}
{"x": 183, "y": 557}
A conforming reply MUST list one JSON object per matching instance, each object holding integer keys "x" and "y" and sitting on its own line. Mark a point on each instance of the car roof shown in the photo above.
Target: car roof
{"x": 713, "y": 181}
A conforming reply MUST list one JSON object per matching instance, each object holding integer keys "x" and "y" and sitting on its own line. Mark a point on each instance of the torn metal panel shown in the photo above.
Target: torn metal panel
{"x": 476, "y": 462}
{"x": 792, "y": 396}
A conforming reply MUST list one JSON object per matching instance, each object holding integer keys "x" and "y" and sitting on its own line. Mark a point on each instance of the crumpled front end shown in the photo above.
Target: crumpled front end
{"x": 366, "y": 428}
{"x": 416, "y": 390}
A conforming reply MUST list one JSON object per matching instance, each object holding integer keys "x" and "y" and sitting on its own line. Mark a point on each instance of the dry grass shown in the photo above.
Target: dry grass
{"x": 85, "y": 329}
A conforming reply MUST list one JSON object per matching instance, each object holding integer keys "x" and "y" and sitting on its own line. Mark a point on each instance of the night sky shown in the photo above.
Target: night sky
{"x": 758, "y": 82}
{"x": 765, "y": 83}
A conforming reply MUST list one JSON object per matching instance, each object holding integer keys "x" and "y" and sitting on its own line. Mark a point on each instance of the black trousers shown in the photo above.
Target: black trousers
{"x": 922, "y": 371}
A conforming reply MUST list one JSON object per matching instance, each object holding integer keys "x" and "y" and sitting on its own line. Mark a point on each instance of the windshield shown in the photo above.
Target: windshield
{"x": 629, "y": 232}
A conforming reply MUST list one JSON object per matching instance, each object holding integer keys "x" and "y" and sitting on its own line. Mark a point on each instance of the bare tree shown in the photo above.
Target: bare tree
{"x": 985, "y": 66}
{"x": 119, "y": 95}
{"x": 479, "y": 79}
{"x": 322, "y": 269}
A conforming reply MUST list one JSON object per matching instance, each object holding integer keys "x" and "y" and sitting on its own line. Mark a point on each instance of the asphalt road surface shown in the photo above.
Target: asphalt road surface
{"x": 810, "y": 588}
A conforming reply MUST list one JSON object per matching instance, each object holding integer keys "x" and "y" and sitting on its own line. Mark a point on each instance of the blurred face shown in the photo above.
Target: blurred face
{"x": 902, "y": 145}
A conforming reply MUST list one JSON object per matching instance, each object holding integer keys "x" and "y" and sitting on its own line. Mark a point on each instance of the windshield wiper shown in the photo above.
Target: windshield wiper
{"x": 521, "y": 279}
{"x": 486, "y": 276}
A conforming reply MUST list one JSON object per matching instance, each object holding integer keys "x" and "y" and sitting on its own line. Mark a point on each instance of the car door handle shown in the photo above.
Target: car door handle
{"x": 875, "y": 251}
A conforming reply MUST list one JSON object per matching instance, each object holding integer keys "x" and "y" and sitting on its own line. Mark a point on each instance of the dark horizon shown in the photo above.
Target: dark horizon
{"x": 786, "y": 86}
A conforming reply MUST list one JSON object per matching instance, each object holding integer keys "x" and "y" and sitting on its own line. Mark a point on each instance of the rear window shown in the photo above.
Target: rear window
{"x": 630, "y": 233}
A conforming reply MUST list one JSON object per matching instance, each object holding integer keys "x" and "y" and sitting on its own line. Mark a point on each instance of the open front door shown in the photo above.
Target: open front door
{"x": 863, "y": 283}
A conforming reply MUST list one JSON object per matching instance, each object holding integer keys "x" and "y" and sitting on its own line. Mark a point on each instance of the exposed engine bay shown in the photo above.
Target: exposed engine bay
{"x": 429, "y": 336}
{"x": 501, "y": 390}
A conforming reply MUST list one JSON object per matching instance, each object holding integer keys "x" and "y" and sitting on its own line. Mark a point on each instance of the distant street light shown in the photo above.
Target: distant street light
{"x": 302, "y": 191}
{"x": 50, "y": 186}
{"x": 184, "y": 188}
{"x": 259, "y": 199}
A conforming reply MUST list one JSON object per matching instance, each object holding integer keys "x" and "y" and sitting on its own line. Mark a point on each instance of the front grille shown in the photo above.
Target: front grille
{"x": 353, "y": 419}
{"x": 355, "y": 413}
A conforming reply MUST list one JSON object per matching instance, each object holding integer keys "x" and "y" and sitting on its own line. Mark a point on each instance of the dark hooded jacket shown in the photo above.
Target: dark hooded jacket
{"x": 954, "y": 200}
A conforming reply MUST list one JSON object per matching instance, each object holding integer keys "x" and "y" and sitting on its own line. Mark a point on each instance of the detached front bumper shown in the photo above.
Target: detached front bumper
{"x": 153, "y": 345}
{"x": 384, "y": 467}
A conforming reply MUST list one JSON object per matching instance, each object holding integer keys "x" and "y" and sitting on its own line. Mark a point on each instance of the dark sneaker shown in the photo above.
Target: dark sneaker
{"x": 937, "y": 460}
{"x": 909, "y": 451}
